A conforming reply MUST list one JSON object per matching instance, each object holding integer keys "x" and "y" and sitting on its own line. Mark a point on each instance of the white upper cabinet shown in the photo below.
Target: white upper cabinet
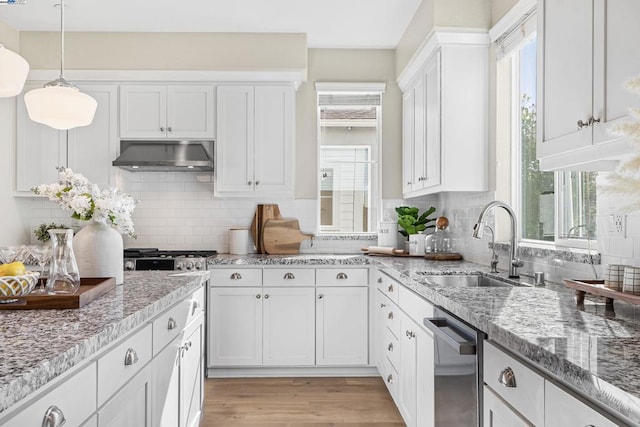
{"x": 445, "y": 115}
{"x": 167, "y": 111}
{"x": 254, "y": 144}
{"x": 585, "y": 55}
{"x": 88, "y": 150}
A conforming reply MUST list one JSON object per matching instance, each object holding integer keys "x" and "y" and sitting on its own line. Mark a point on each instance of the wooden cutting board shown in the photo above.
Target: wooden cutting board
{"x": 283, "y": 236}
{"x": 263, "y": 214}
{"x": 443, "y": 256}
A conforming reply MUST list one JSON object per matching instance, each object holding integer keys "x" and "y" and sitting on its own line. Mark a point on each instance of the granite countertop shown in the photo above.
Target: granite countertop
{"x": 38, "y": 345}
{"x": 591, "y": 348}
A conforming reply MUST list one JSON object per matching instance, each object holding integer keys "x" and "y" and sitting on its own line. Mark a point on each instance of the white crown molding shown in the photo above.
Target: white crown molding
{"x": 439, "y": 36}
{"x": 294, "y": 77}
{"x": 347, "y": 87}
{"x": 511, "y": 18}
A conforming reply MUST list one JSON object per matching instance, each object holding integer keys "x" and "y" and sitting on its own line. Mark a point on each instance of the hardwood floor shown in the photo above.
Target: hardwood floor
{"x": 298, "y": 402}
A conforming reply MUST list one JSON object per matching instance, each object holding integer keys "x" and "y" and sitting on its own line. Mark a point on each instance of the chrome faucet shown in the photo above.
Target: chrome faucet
{"x": 478, "y": 231}
{"x": 494, "y": 255}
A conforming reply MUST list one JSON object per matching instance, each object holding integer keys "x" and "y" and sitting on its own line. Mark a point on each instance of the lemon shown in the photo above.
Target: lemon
{"x": 13, "y": 269}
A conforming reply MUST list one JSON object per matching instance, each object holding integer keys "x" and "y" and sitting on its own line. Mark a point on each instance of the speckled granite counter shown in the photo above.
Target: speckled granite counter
{"x": 590, "y": 348}
{"x": 38, "y": 345}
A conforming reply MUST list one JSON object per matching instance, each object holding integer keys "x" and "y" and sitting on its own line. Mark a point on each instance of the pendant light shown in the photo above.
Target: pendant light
{"x": 13, "y": 72}
{"x": 59, "y": 104}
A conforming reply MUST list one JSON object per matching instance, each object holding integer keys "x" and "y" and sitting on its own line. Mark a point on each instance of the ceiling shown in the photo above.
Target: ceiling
{"x": 327, "y": 23}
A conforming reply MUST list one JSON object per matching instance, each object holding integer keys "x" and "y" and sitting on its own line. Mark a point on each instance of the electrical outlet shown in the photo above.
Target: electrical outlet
{"x": 618, "y": 225}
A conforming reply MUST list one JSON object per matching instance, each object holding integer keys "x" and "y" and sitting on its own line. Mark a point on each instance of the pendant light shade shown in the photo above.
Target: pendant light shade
{"x": 13, "y": 72}
{"x": 59, "y": 104}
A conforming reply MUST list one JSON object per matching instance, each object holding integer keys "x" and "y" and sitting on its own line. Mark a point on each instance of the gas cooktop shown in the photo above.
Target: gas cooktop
{"x": 155, "y": 259}
{"x": 156, "y": 253}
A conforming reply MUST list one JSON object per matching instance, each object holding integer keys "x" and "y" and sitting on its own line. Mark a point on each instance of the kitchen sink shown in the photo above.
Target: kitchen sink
{"x": 472, "y": 281}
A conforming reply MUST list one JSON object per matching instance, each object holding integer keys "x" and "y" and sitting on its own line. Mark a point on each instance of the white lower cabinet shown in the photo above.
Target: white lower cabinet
{"x": 497, "y": 413}
{"x": 191, "y": 378}
{"x": 342, "y": 326}
{"x": 131, "y": 406}
{"x": 281, "y": 317}
{"x": 564, "y": 410}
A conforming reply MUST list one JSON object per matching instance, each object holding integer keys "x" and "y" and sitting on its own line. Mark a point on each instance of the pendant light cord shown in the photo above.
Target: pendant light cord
{"x": 61, "y": 38}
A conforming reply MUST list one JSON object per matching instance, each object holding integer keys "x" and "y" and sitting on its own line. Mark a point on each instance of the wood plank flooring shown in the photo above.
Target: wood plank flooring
{"x": 298, "y": 402}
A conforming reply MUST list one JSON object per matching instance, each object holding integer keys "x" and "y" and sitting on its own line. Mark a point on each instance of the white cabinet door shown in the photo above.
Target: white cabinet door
{"x": 407, "y": 141}
{"x": 235, "y": 139}
{"x": 235, "y": 327}
{"x": 143, "y": 111}
{"x": 496, "y": 413}
{"x": 191, "y": 374}
{"x": 425, "y": 377}
{"x": 563, "y": 410}
{"x": 342, "y": 326}
{"x": 190, "y": 111}
{"x": 408, "y": 370}
{"x": 289, "y": 326}
{"x": 92, "y": 148}
{"x": 165, "y": 391}
{"x": 274, "y": 148}
{"x": 131, "y": 406}
{"x": 419, "y": 142}
{"x": 431, "y": 174}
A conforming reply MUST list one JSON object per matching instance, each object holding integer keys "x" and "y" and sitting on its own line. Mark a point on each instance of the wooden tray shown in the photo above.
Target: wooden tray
{"x": 443, "y": 256}
{"x": 596, "y": 287}
{"x": 90, "y": 289}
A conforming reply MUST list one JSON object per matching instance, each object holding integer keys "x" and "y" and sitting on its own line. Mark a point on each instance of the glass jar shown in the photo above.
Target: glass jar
{"x": 64, "y": 277}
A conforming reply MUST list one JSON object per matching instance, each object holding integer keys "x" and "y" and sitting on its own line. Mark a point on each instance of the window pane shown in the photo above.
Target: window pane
{"x": 537, "y": 189}
{"x": 579, "y": 205}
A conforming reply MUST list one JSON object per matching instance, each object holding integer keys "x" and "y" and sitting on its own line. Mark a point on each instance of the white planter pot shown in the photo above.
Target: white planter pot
{"x": 99, "y": 252}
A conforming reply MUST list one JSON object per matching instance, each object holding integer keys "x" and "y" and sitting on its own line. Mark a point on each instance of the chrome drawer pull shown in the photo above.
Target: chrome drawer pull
{"x": 379, "y": 279}
{"x": 235, "y": 276}
{"x": 257, "y": 296}
{"x": 342, "y": 276}
{"x": 390, "y": 316}
{"x": 382, "y": 305}
{"x": 194, "y": 307}
{"x": 507, "y": 377}
{"x": 390, "y": 379}
{"x": 266, "y": 296}
{"x": 172, "y": 324}
{"x": 320, "y": 296}
{"x": 410, "y": 334}
{"x": 130, "y": 357}
{"x": 53, "y": 417}
{"x": 390, "y": 347}
{"x": 289, "y": 276}
{"x": 390, "y": 288}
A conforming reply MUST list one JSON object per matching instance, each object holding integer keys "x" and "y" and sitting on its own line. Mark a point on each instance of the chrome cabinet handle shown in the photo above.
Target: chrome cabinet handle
{"x": 582, "y": 124}
{"x": 410, "y": 334}
{"x": 170, "y": 129}
{"x": 390, "y": 288}
{"x": 390, "y": 347}
{"x": 592, "y": 121}
{"x": 320, "y": 296}
{"x": 390, "y": 316}
{"x": 235, "y": 276}
{"x": 289, "y": 276}
{"x": 409, "y": 182}
{"x": 249, "y": 182}
{"x": 342, "y": 276}
{"x": 257, "y": 182}
{"x": 390, "y": 379}
{"x": 161, "y": 128}
{"x": 172, "y": 324}
{"x": 53, "y": 417}
{"x": 194, "y": 307}
{"x": 507, "y": 377}
{"x": 379, "y": 279}
{"x": 266, "y": 296}
{"x": 258, "y": 296}
{"x": 382, "y": 305}
{"x": 131, "y": 357}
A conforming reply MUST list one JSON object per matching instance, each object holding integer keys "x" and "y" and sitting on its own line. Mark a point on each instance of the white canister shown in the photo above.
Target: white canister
{"x": 238, "y": 241}
{"x": 388, "y": 234}
{"x": 416, "y": 244}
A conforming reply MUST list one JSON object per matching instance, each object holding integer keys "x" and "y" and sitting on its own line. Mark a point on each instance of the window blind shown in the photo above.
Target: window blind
{"x": 349, "y": 99}
{"x": 517, "y": 35}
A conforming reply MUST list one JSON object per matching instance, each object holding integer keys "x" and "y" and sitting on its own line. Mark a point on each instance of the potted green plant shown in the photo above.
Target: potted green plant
{"x": 412, "y": 222}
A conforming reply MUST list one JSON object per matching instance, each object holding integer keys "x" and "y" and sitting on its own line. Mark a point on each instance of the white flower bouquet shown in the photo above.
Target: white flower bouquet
{"x": 87, "y": 201}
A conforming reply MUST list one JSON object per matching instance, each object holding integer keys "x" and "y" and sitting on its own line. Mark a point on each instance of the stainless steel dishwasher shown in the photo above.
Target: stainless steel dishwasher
{"x": 458, "y": 373}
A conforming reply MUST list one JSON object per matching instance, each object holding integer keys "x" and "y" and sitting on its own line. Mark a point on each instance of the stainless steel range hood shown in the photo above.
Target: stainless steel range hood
{"x": 165, "y": 156}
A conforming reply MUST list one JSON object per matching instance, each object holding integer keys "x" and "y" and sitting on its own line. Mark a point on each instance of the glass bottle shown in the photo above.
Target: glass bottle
{"x": 64, "y": 277}
{"x": 443, "y": 241}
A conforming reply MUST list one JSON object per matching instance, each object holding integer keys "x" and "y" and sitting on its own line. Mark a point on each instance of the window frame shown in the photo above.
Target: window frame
{"x": 375, "y": 196}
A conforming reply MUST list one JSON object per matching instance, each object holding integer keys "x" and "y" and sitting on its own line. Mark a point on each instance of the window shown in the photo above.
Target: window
{"x": 349, "y": 135}
{"x": 554, "y": 207}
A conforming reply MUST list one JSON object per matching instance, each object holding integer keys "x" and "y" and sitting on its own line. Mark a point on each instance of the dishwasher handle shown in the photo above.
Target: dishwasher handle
{"x": 451, "y": 334}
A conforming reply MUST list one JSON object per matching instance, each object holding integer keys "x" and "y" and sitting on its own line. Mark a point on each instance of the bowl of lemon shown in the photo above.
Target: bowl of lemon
{"x": 16, "y": 281}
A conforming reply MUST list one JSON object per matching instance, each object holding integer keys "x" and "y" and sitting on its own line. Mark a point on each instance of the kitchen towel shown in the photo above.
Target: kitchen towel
{"x": 613, "y": 276}
{"x": 631, "y": 280}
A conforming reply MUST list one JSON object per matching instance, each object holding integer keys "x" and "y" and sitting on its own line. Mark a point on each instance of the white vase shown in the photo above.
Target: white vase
{"x": 99, "y": 252}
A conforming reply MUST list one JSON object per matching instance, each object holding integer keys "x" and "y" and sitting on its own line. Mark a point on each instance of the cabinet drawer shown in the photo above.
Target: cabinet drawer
{"x": 120, "y": 364}
{"x": 390, "y": 377}
{"x": 289, "y": 277}
{"x": 391, "y": 319}
{"x": 170, "y": 324}
{"x": 388, "y": 286}
{"x": 236, "y": 277}
{"x": 76, "y": 398}
{"x": 416, "y": 307}
{"x": 527, "y": 396}
{"x": 564, "y": 410}
{"x": 342, "y": 277}
{"x": 391, "y": 346}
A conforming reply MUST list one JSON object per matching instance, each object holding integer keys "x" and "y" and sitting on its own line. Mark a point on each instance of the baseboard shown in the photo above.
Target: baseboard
{"x": 324, "y": 371}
